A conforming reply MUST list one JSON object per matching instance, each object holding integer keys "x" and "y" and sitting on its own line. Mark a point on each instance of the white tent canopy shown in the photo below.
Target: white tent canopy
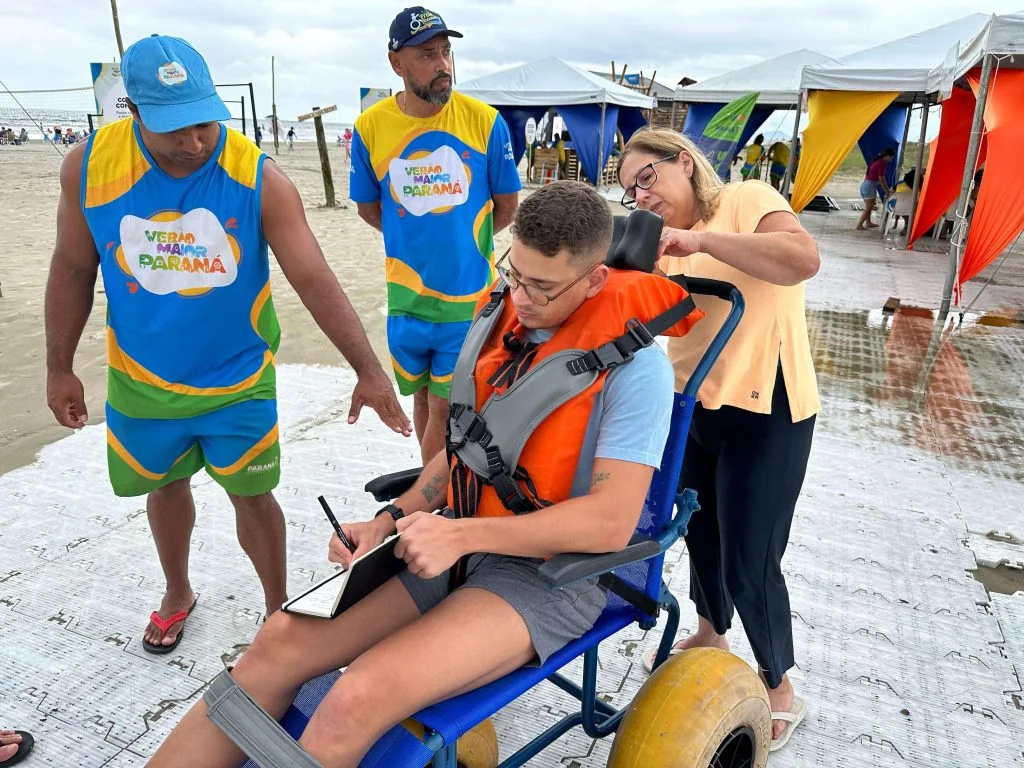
{"x": 912, "y": 64}
{"x": 1001, "y": 35}
{"x": 551, "y": 82}
{"x": 777, "y": 80}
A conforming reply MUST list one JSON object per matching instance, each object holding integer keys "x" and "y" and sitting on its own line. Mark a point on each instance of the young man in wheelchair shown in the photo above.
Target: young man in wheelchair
{"x": 471, "y": 606}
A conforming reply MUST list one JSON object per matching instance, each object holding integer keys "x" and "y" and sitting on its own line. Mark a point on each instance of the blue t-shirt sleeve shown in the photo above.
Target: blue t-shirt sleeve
{"x": 502, "y": 174}
{"x": 637, "y": 409}
{"x": 363, "y": 186}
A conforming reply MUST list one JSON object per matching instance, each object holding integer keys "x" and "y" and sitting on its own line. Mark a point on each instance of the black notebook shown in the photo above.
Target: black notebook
{"x": 341, "y": 590}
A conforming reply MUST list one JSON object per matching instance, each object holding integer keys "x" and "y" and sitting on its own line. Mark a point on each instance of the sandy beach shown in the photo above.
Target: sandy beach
{"x": 30, "y": 177}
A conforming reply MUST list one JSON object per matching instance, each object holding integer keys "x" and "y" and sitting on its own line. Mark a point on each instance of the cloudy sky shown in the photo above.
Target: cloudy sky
{"x": 326, "y": 50}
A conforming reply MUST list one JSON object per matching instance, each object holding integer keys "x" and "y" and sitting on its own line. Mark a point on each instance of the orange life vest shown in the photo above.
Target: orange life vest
{"x": 591, "y": 339}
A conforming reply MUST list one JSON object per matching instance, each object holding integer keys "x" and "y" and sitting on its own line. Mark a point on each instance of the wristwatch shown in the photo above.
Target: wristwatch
{"x": 393, "y": 510}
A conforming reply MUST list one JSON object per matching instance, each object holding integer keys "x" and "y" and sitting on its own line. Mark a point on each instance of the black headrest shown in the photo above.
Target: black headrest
{"x": 635, "y": 241}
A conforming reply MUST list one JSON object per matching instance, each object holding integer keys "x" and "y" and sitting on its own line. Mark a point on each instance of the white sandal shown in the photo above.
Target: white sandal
{"x": 792, "y": 718}
{"x": 648, "y": 658}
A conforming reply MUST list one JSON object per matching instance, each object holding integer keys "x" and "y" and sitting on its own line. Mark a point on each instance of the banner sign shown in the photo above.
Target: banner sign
{"x": 370, "y": 96}
{"x": 108, "y": 88}
{"x": 721, "y": 137}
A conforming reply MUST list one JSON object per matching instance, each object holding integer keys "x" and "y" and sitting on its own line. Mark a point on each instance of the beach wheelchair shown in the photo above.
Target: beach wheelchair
{"x": 700, "y": 708}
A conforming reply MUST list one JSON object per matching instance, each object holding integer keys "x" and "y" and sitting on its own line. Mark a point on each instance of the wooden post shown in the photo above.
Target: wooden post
{"x": 321, "y": 144}
{"x": 117, "y": 28}
{"x": 613, "y": 70}
{"x": 325, "y": 160}
{"x": 273, "y": 105}
{"x": 651, "y": 86}
{"x": 622, "y": 75}
{"x": 242, "y": 102}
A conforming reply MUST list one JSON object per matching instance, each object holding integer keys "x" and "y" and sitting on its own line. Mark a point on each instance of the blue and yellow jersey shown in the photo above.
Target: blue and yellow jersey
{"x": 434, "y": 178}
{"x": 191, "y": 325}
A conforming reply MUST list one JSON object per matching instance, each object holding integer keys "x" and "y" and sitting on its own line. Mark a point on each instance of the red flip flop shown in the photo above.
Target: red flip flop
{"x": 165, "y": 624}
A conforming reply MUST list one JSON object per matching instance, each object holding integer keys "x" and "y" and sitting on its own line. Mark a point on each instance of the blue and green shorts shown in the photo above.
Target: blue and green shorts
{"x": 423, "y": 354}
{"x": 237, "y": 444}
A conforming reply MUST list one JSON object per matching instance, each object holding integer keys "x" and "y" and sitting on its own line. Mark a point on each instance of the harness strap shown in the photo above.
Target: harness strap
{"x": 637, "y": 336}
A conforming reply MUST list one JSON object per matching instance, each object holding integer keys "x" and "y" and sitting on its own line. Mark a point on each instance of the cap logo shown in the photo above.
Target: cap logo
{"x": 172, "y": 73}
{"x": 422, "y": 20}
{"x": 394, "y": 43}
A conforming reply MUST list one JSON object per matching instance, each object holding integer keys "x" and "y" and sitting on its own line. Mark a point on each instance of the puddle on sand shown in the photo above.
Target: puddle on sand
{"x": 889, "y": 377}
{"x": 1002, "y": 579}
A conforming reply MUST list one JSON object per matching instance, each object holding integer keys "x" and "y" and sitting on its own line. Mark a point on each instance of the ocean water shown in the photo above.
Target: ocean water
{"x": 70, "y": 109}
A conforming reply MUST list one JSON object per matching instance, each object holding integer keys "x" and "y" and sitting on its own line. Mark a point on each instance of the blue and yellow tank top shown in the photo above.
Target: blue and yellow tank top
{"x": 191, "y": 325}
{"x": 434, "y": 178}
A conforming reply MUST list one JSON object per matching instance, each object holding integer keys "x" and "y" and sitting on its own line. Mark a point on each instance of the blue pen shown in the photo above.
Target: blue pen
{"x": 334, "y": 522}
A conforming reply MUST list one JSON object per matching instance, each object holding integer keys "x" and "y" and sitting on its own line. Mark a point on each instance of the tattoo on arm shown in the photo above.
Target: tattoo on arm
{"x": 599, "y": 477}
{"x": 433, "y": 488}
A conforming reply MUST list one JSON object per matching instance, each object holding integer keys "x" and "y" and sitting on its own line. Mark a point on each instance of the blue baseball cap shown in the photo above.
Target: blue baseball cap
{"x": 415, "y": 26}
{"x": 169, "y": 82}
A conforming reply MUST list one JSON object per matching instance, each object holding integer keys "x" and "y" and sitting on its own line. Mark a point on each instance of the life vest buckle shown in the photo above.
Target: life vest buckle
{"x": 644, "y": 338}
{"x": 466, "y": 425}
{"x": 497, "y": 297}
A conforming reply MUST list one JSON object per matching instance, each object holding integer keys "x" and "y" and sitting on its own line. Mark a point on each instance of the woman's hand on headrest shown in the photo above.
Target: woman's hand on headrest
{"x": 679, "y": 242}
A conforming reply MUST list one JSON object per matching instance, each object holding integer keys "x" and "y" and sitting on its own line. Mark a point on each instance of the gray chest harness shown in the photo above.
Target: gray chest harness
{"x": 487, "y": 443}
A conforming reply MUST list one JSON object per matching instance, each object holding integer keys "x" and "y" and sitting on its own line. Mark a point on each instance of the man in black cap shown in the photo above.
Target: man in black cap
{"x": 434, "y": 171}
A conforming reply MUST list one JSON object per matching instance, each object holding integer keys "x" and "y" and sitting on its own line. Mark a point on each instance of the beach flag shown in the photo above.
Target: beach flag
{"x": 721, "y": 136}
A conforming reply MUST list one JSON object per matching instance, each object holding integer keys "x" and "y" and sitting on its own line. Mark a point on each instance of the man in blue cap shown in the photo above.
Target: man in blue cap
{"x": 177, "y": 211}
{"x": 434, "y": 171}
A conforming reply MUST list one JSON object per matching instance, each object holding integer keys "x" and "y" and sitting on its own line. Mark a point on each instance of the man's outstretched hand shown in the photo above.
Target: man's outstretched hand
{"x": 375, "y": 390}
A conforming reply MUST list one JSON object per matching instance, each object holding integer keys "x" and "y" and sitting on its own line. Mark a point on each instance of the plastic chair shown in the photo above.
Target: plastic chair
{"x": 900, "y": 204}
{"x": 637, "y": 594}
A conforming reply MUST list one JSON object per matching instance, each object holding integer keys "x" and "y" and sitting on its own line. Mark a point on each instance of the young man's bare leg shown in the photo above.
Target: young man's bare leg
{"x": 420, "y": 414}
{"x": 432, "y": 437}
{"x": 287, "y": 651}
{"x": 468, "y": 640}
{"x": 260, "y": 525}
{"x": 172, "y": 515}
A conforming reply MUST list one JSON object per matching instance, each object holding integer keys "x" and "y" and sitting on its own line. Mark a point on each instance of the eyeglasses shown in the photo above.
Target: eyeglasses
{"x": 644, "y": 179}
{"x": 533, "y": 293}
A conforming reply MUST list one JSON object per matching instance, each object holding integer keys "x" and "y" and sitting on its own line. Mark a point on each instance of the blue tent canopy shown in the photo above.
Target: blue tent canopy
{"x": 580, "y": 97}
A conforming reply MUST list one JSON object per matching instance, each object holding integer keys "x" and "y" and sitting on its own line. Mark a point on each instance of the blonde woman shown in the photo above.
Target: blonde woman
{"x": 750, "y": 438}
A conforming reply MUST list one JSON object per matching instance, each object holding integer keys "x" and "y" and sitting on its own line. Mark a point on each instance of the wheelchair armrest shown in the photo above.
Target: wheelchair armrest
{"x": 388, "y": 487}
{"x": 563, "y": 570}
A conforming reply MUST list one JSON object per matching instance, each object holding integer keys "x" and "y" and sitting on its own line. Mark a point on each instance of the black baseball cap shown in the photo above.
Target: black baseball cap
{"x": 415, "y": 26}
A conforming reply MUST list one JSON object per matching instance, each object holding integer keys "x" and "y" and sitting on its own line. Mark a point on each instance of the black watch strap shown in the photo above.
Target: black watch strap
{"x": 391, "y": 509}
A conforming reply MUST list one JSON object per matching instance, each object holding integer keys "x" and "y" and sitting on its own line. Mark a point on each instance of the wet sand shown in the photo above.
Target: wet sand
{"x": 29, "y": 178}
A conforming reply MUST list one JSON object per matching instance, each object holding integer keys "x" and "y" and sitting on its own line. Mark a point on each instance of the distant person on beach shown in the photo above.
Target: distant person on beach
{"x": 435, "y": 172}
{"x": 752, "y": 163}
{"x": 259, "y": 135}
{"x": 778, "y": 157}
{"x": 191, "y": 328}
{"x": 874, "y": 186}
{"x": 23, "y": 136}
{"x": 750, "y": 437}
{"x": 347, "y": 144}
{"x": 291, "y": 139}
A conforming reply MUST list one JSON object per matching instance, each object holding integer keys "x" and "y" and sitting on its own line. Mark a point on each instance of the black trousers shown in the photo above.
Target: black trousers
{"x": 748, "y": 469}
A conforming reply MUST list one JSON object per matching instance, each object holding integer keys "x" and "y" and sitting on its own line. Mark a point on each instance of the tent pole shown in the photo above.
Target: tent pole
{"x": 958, "y": 240}
{"x": 903, "y": 145}
{"x": 600, "y": 150}
{"x": 786, "y": 182}
{"x": 918, "y": 180}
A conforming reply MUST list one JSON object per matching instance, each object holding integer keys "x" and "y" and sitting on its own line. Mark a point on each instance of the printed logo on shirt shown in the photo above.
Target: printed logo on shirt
{"x": 174, "y": 253}
{"x": 428, "y": 182}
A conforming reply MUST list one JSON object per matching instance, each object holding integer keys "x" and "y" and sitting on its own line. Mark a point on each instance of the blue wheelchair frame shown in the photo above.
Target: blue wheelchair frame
{"x": 637, "y": 593}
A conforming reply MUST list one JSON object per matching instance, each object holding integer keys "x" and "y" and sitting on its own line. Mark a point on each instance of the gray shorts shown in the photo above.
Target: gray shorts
{"x": 554, "y": 617}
